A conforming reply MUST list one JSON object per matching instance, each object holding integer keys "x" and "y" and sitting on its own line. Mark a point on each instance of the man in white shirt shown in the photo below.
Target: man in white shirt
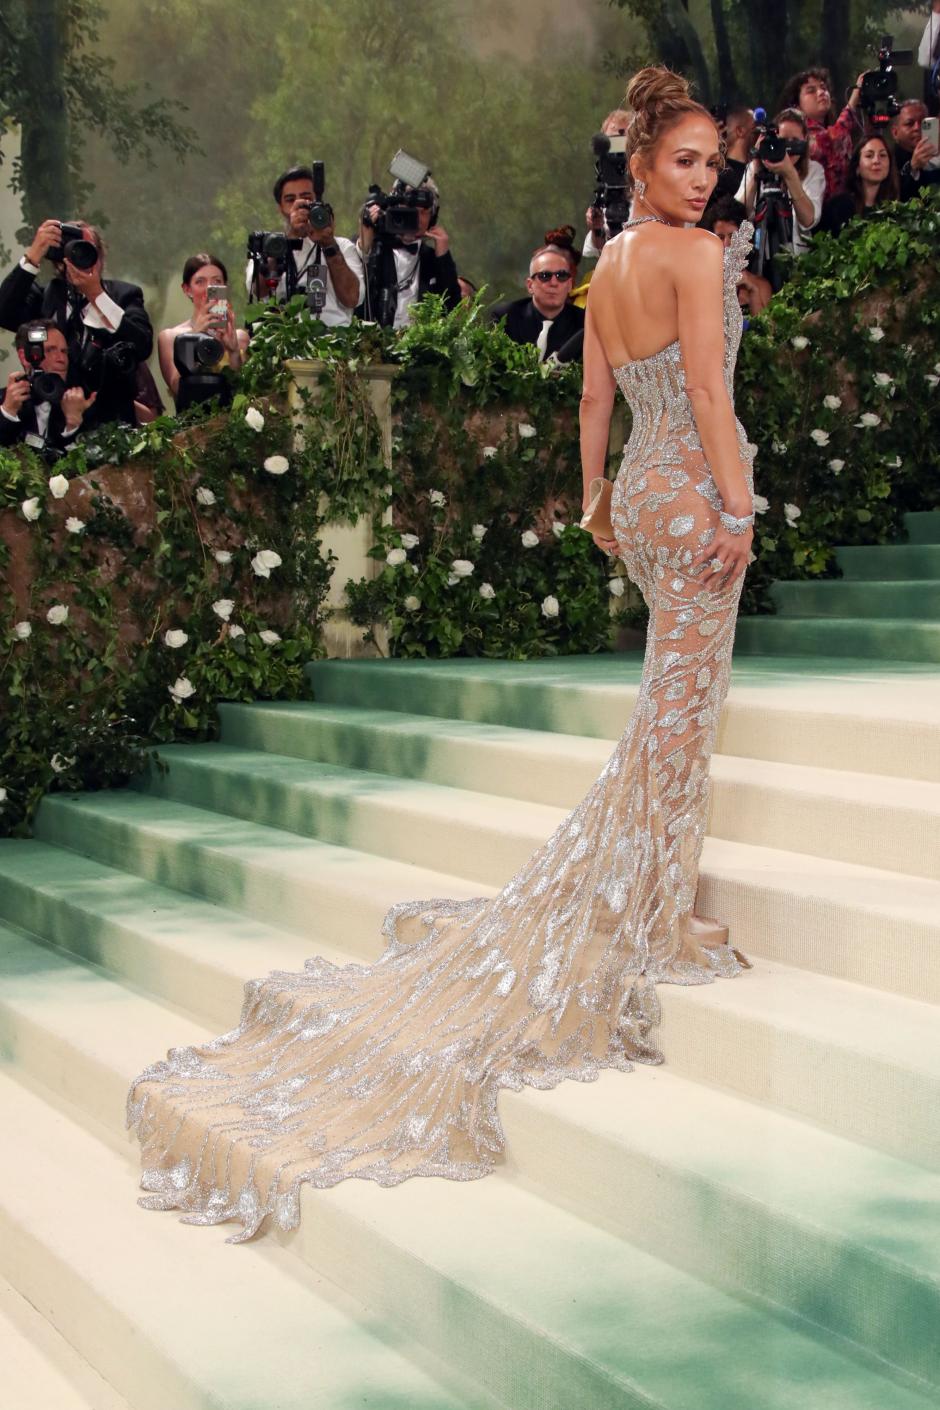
{"x": 321, "y": 255}
{"x": 48, "y": 426}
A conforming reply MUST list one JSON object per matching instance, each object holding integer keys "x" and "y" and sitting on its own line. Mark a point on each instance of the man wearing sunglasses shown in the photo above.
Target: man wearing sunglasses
{"x": 546, "y": 318}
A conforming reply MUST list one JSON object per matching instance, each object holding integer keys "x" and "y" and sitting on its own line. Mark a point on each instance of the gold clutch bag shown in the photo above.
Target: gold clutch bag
{"x": 596, "y": 518}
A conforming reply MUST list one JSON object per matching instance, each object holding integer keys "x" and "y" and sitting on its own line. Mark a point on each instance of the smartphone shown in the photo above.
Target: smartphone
{"x": 929, "y": 133}
{"x": 218, "y": 302}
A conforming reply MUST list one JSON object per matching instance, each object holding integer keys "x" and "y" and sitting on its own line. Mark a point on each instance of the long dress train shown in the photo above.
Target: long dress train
{"x": 393, "y": 1069}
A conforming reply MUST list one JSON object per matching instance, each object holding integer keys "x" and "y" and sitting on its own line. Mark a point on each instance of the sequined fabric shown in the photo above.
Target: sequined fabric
{"x": 393, "y": 1069}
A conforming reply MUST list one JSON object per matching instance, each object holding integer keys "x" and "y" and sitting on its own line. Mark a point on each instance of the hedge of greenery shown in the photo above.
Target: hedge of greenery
{"x": 195, "y": 571}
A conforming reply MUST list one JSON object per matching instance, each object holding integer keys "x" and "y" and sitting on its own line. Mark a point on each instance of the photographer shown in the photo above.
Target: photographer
{"x": 723, "y": 217}
{"x": 547, "y": 317}
{"x": 799, "y": 181}
{"x": 209, "y": 331}
{"x": 38, "y": 409}
{"x": 403, "y": 267}
{"x": 739, "y": 137}
{"x": 104, "y": 321}
{"x": 615, "y": 124}
{"x": 320, "y": 261}
{"x": 917, "y": 159}
{"x": 831, "y": 141}
{"x": 872, "y": 180}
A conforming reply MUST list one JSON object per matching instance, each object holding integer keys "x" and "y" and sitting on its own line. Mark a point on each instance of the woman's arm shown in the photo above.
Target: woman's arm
{"x": 171, "y": 377}
{"x": 597, "y": 403}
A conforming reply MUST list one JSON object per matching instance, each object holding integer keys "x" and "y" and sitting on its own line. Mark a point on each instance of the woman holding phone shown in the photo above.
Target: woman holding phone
{"x": 205, "y": 282}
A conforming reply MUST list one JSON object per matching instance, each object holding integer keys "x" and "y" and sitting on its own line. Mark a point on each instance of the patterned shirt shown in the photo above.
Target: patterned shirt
{"x": 832, "y": 148}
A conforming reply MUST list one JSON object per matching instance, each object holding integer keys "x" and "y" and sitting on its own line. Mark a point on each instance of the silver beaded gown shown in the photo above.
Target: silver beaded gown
{"x": 393, "y": 1069}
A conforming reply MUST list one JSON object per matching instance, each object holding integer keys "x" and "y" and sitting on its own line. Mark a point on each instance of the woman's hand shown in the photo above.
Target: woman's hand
{"x": 605, "y": 545}
{"x": 204, "y": 321}
{"x": 731, "y": 551}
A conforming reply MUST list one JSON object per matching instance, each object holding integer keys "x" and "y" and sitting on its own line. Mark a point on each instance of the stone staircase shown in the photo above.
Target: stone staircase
{"x": 754, "y": 1224}
{"x": 885, "y": 606}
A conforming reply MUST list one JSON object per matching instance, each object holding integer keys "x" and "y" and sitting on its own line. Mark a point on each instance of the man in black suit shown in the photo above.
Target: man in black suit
{"x": 400, "y": 270}
{"x": 104, "y": 321}
{"x": 546, "y": 318}
{"x": 48, "y": 425}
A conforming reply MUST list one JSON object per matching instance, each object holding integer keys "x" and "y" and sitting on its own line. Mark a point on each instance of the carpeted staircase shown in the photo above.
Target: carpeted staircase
{"x": 754, "y": 1224}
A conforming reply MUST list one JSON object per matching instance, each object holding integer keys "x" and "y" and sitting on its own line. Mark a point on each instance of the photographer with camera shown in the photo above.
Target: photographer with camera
{"x": 194, "y": 354}
{"x": 306, "y": 256}
{"x": 917, "y": 156}
{"x": 615, "y": 124}
{"x": 739, "y": 129}
{"x": 104, "y": 321}
{"x": 38, "y": 408}
{"x": 872, "y": 180}
{"x": 547, "y": 317}
{"x": 782, "y": 191}
{"x": 831, "y": 139}
{"x": 404, "y": 245}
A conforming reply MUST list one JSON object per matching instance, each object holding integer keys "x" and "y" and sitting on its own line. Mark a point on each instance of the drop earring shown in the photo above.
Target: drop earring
{"x": 639, "y": 190}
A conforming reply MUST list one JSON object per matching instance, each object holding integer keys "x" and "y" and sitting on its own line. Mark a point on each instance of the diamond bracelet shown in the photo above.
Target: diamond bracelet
{"x": 734, "y": 525}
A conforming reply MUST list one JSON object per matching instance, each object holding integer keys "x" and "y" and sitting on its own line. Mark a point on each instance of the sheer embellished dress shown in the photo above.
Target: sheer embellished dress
{"x": 393, "y": 1069}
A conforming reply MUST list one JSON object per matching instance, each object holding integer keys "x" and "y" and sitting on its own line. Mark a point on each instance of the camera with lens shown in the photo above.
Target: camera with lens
{"x": 878, "y": 96}
{"x": 195, "y": 357}
{"x": 96, "y": 364}
{"x": 610, "y": 169}
{"x": 769, "y": 146}
{"x": 74, "y": 248}
{"x": 43, "y": 386}
{"x": 319, "y": 212}
{"x": 400, "y": 207}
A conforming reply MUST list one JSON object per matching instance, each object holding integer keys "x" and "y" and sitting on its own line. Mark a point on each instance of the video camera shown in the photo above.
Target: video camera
{"x": 880, "y": 85}
{"x": 43, "y": 386}
{"x": 95, "y": 364}
{"x": 769, "y": 146}
{"x": 400, "y": 206}
{"x": 773, "y": 209}
{"x": 74, "y": 247}
{"x": 610, "y": 169}
{"x": 195, "y": 356}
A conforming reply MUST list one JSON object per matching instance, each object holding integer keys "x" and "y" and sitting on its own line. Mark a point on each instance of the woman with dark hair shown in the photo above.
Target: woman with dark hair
{"x": 872, "y": 181}
{"x": 200, "y": 273}
{"x": 831, "y": 139}
{"x": 803, "y": 179}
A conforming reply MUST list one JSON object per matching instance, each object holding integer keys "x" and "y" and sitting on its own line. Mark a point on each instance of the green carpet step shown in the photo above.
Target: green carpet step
{"x": 829, "y": 713}
{"x": 853, "y": 817}
{"x": 857, "y": 923}
{"x": 878, "y": 639}
{"x": 785, "y": 1011}
{"x": 890, "y": 561}
{"x": 656, "y": 1158}
{"x": 923, "y": 526}
{"x": 556, "y": 1294}
{"x": 166, "y": 1313}
{"x": 40, "y": 1370}
{"x": 835, "y": 597}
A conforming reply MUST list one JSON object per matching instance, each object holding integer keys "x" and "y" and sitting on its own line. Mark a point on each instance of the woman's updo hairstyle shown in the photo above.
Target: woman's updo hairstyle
{"x": 659, "y": 99}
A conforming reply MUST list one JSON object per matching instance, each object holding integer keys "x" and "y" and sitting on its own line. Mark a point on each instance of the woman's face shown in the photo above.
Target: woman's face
{"x": 873, "y": 161}
{"x": 791, "y": 130}
{"x": 198, "y": 286}
{"x": 684, "y": 170}
{"x": 814, "y": 100}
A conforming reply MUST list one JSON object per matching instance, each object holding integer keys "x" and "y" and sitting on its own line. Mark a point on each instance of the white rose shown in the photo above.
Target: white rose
{"x": 204, "y": 495}
{"x": 264, "y": 561}
{"x": 31, "y": 509}
{"x": 487, "y": 591}
{"x": 395, "y": 557}
{"x": 269, "y": 638}
{"x": 409, "y": 541}
{"x": 791, "y": 512}
{"x": 437, "y": 498}
{"x": 479, "y": 532}
{"x": 235, "y": 630}
{"x": 820, "y": 437}
{"x": 175, "y": 638}
{"x": 799, "y": 342}
{"x": 931, "y": 379}
{"x": 489, "y": 452}
{"x": 224, "y": 608}
{"x": 869, "y": 418}
{"x": 462, "y": 567}
{"x": 882, "y": 379}
{"x": 181, "y": 689}
{"x": 894, "y": 464}
{"x": 836, "y": 466}
{"x": 57, "y": 615}
{"x": 876, "y": 333}
{"x": 222, "y": 555}
{"x": 74, "y": 526}
{"x": 761, "y": 505}
{"x": 22, "y": 631}
{"x": 527, "y": 431}
{"x": 558, "y": 528}
{"x": 936, "y": 366}
{"x": 254, "y": 418}
{"x": 414, "y": 568}
{"x": 58, "y": 487}
{"x": 778, "y": 447}
{"x": 452, "y": 579}
{"x": 549, "y": 606}
{"x": 277, "y": 465}
{"x": 61, "y": 762}
{"x": 616, "y": 587}
{"x": 412, "y": 603}
{"x": 530, "y": 539}
{"x": 832, "y": 403}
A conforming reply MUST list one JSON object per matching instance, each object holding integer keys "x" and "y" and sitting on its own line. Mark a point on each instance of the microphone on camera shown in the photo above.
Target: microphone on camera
{"x": 760, "y": 115}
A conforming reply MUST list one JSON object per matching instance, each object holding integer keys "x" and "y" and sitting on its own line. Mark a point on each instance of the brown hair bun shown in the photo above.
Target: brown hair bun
{"x": 655, "y": 88}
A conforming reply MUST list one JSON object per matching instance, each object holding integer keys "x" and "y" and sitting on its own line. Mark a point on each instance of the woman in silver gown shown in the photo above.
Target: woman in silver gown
{"x": 393, "y": 1069}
